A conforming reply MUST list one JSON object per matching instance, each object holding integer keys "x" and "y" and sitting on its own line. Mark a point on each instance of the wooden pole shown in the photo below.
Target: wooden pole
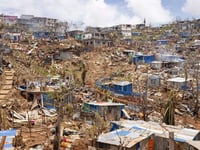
{"x": 171, "y": 141}
{"x": 3, "y": 140}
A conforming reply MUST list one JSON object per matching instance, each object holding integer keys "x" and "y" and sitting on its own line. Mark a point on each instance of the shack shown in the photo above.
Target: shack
{"x": 126, "y": 138}
{"x": 140, "y": 58}
{"x": 179, "y": 83}
{"x": 108, "y": 110}
{"x": 176, "y": 71}
{"x": 171, "y": 61}
{"x": 14, "y": 37}
{"x": 161, "y": 134}
{"x": 154, "y": 80}
{"x": 63, "y": 54}
{"x": 156, "y": 65}
{"x": 38, "y": 91}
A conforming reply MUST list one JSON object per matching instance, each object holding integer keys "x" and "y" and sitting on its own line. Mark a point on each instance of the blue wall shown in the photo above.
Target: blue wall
{"x": 117, "y": 89}
{"x": 162, "y": 42}
{"x": 125, "y": 90}
{"x": 41, "y": 34}
{"x": 146, "y": 58}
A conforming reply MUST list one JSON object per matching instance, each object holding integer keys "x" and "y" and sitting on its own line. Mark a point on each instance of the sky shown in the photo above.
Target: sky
{"x": 105, "y": 12}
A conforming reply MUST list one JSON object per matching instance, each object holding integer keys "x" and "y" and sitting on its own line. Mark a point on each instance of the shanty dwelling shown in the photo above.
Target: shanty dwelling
{"x": 179, "y": 83}
{"x": 14, "y": 37}
{"x": 154, "y": 80}
{"x": 176, "y": 71}
{"x": 157, "y": 65}
{"x": 108, "y": 110}
{"x": 38, "y": 91}
{"x": 171, "y": 61}
{"x": 63, "y": 54}
{"x": 135, "y": 135}
{"x": 140, "y": 58}
{"x": 185, "y": 35}
{"x": 126, "y": 139}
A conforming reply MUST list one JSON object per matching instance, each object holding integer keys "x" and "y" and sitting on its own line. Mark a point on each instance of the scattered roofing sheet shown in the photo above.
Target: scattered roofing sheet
{"x": 10, "y": 134}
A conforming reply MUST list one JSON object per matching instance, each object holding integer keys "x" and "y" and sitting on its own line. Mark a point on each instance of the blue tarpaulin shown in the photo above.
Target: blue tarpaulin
{"x": 122, "y": 133}
{"x": 10, "y": 134}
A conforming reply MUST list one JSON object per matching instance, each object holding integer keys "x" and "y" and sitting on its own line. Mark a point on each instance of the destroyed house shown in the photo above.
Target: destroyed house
{"x": 159, "y": 136}
{"x": 77, "y": 34}
{"x": 185, "y": 35}
{"x": 64, "y": 54}
{"x": 128, "y": 139}
{"x": 39, "y": 91}
{"x": 156, "y": 65}
{"x": 96, "y": 39}
{"x": 171, "y": 60}
{"x": 41, "y": 35}
{"x": 140, "y": 58}
{"x": 179, "y": 83}
{"x": 108, "y": 110}
{"x": 154, "y": 81}
{"x": 14, "y": 37}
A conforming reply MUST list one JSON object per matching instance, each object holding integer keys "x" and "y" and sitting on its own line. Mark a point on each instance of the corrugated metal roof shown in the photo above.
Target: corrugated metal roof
{"x": 195, "y": 144}
{"x": 125, "y": 137}
{"x": 105, "y": 104}
{"x": 180, "y": 134}
{"x": 10, "y": 134}
{"x": 123, "y": 83}
{"x": 178, "y": 79}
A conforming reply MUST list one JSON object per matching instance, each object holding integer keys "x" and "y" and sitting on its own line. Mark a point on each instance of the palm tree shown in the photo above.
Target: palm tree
{"x": 169, "y": 117}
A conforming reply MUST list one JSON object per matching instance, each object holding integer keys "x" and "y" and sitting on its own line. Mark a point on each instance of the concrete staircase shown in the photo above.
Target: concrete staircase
{"x": 6, "y": 86}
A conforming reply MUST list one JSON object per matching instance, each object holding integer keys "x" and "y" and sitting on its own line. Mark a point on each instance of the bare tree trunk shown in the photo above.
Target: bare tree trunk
{"x": 56, "y": 144}
{"x": 196, "y": 111}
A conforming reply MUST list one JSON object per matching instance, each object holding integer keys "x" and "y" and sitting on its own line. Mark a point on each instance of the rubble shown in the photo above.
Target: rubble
{"x": 66, "y": 90}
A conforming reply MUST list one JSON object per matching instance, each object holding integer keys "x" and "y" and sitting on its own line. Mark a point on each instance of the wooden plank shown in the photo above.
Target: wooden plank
{"x": 3, "y": 140}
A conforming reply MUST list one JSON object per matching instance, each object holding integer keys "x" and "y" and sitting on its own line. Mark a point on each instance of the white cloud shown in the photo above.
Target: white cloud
{"x": 91, "y": 12}
{"x": 192, "y": 7}
{"x": 151, "y": 10}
